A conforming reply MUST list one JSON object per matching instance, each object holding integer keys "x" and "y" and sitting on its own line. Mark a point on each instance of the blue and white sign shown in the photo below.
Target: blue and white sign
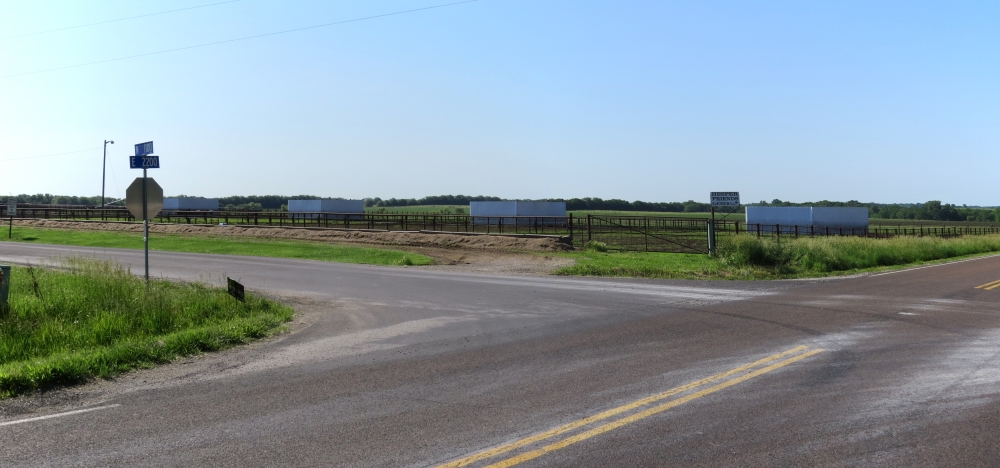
{"x": 144, "y": 149}
{"x": 144, "y": 162}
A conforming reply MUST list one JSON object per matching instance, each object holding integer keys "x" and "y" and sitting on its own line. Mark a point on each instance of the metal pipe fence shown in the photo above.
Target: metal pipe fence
{"x": 626, "y": 233}
{"x": 542, "y": 225}
{"x": 875, "y": 232}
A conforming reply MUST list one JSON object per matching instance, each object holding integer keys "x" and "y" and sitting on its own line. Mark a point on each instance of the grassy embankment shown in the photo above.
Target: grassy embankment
{"x": 749, "y": 257}
{"x": 222, "y": 245}
{"x": 98, "y": 320}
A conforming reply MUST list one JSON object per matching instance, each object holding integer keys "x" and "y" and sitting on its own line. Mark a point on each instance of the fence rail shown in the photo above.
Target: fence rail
{"x": 627, "y": 233}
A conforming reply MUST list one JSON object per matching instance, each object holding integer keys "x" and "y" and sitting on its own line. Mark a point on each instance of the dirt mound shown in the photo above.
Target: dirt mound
{"x": 406, "y": 239}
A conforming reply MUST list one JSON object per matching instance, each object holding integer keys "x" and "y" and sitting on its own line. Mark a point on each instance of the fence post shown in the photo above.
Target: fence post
{"x": 758, "y": 230}
{"x": 796, "y": 231}
{"x": 711, "y": 239}
{"x": 589, "y": 236}
{"x": 571, "y": 228}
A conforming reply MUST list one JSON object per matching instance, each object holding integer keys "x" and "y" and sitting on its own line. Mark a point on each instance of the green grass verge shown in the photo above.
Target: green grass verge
{"x": 749, "y": 257}
{"x": 222, "y": 245}
{"x": 98, "y": 320}
{"x": 822, "y": 256}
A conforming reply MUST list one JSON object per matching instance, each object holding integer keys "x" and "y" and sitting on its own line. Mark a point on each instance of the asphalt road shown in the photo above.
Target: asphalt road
{"x": 409, "y": 367}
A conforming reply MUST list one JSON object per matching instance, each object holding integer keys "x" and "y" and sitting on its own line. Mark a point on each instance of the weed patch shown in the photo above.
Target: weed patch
{"x": 749, "y": 257}
{"x": 98, "y": 320}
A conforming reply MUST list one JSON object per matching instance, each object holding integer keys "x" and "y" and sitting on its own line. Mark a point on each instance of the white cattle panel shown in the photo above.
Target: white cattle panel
{"x": 534, "y": 208}
{"x": 493, "y": 208}
{"x": 184, "y": 204}
{"x": 325, "y": 206}
{"x": 546, "y": 212}
{"x": 840, "y": 217}
{"x": 785, "y": 216}
{"x": 491, "y": 212}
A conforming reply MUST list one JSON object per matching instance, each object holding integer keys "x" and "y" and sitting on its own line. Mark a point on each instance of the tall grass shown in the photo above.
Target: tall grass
{"x": 831, "y": 254}
{"x": 98, "y": 320}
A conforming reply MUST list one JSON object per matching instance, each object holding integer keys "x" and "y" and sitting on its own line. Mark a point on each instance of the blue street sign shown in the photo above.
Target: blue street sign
{"x": 143, "y": 149}
{"x": 144, "y": 162}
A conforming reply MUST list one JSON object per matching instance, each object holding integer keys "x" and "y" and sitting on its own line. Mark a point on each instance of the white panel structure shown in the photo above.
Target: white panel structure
{"x": 840, "y": 217}
{"x": 544, "y": 212}
{"x": 819, "y": 218}
{"x": 190, "y": 204}
{"x": 313, "y": 207}
{"x": 533, "y": 208}
{"x": 493, "y": 208}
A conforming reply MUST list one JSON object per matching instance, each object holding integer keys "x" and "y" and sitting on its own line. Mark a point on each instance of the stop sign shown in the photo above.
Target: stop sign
{"x": 154, "y": 198}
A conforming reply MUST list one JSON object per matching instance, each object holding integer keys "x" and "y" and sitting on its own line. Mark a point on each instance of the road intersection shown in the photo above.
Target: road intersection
{"x": 411, "y": 367}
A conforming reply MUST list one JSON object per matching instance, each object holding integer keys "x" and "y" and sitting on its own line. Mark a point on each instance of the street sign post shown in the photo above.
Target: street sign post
{"x": 154, "y": 198}
{"x": 143, "y": 149}
{"x": 143, "y": 162}
{"x": 144, "y": 198}
{"x": 720, "y": 199}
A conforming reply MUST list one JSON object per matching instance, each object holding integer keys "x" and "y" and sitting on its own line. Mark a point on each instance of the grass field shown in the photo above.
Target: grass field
{"x": 424, "y": 209}
{"x": 643, "y": 265}
{"x": 718, "y": 216}
{"x": 98, "y": 320}
{"x": 221, "y": 245}
{"x": 749, "y": 257}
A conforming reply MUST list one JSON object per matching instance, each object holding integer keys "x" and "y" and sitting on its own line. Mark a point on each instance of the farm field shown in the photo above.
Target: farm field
{"x": 422, "y": 209}
{"x": 718, "y": 216}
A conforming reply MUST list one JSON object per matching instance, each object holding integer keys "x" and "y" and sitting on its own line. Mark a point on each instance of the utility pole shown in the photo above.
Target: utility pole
{"x": 104, "y": 173}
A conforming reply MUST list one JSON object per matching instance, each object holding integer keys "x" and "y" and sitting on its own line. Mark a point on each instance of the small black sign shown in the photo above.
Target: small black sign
{"x": 235, "y": 289}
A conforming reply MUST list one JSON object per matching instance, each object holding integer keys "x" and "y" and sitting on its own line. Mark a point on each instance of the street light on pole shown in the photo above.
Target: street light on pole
{"x": 104, "y": 173}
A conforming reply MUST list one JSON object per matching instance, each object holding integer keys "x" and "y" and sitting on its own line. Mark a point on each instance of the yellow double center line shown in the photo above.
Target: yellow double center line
{"x": 631, "y": 406}
{"x": 990, "y": 285}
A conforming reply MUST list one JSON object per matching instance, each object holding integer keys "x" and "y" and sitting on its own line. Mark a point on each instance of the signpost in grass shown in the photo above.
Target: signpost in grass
{"x": 235, "y": 289}
{"x": 4, "y": 284}
{"x": 720, "y": 199}
{"x": 144, "y": 198}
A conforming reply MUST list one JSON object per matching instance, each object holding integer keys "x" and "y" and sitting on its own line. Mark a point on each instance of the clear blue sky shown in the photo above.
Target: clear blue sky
{"x": 650, "y": 100}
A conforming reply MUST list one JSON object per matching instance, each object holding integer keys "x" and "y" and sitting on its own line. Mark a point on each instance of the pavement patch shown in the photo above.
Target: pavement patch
{"x": 797, "y": 354}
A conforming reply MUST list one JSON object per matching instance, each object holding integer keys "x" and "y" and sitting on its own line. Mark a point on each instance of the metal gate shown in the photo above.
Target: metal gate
{"x": 649, "y": 233}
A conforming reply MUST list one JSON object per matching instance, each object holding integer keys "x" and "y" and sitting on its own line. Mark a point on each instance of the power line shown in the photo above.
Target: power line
{"x": 240, "y": 39}
{"x": 115, "y": 20}
{"x": 50, "y": 155}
